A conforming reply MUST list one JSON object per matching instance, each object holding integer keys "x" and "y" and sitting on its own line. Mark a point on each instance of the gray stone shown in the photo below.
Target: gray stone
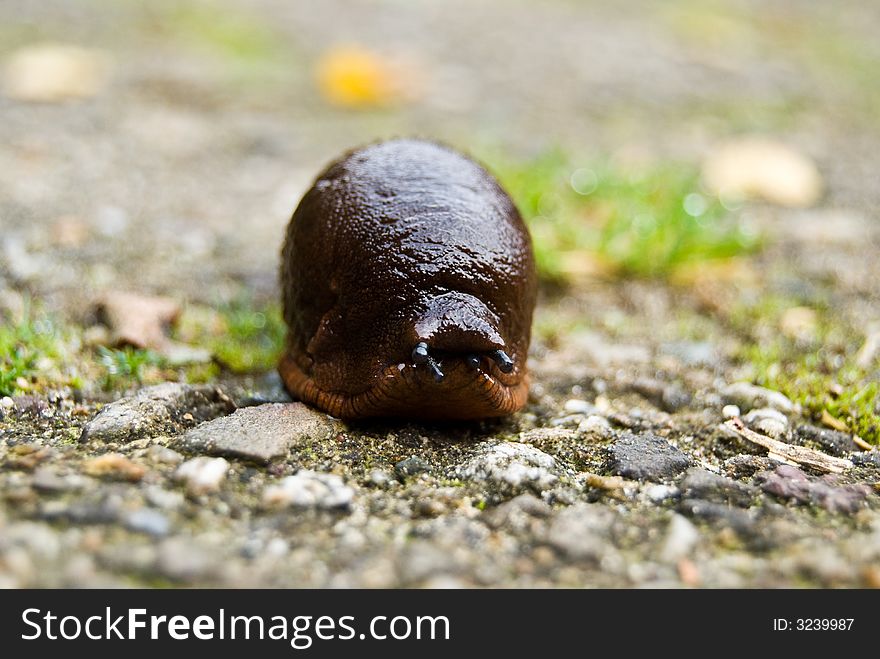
{"x": 702, "y": 484}
{"x": 749, "y": 396}
{"x": 411, "y": 466}
{"x": 720, "y": 514}
{"x": 668, "y": 397}
{"x": 509, "y": 467}
{"x": 517, "y": 513}
{"x": 422, "y": 559}
{"x": 309, "y": 489}
{"x": 595, "y": 425}
{"x": 867, "y": 459}
{"x": 260, "y": 434}
{"x": 37, "y": 538}
{"x": 92, "y": 508}
{"x": 162, "y": 409}
{"x": 181, "y": 559}
{"x": 164, "y": 499}
{"x": 146, "y": 520}
{"x": 164, "y": 455}
{"x": 581, "y": 532}
{"x": 646, "y": 457}
{"x": 47, "y": 479}
{"x": 834, "y": 442}
{"x": 379, "y": 478}
{"x": 746, "y": 465}
{"x": 567, "y": 421}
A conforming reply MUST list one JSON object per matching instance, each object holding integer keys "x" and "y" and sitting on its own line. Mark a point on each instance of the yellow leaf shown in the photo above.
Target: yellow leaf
{"x": 354, "y": 77}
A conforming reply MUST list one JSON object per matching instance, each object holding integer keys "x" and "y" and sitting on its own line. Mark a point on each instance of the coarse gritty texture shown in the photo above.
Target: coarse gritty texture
{"x": 179, "y": 180}
{"x": 399, "y": 243}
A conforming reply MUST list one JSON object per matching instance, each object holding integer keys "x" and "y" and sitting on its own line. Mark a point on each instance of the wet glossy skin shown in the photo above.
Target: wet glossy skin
{"x": 408, "y": 284}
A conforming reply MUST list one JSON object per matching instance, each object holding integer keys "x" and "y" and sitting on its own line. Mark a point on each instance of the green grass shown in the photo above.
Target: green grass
{"x": 821, "y": 374}
{"x": 252, "y": 337}
{"x": 31, "y": 350}
{"x": 643, "y": 222}
{"x": 243, "y": 338}
{"x": 126, "y": 366}
{"x": 38, "y": 351}
{"x": 241, "y": 38}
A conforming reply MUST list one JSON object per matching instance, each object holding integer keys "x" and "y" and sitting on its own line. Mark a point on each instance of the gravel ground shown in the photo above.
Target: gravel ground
{"x": 177, "y": 178}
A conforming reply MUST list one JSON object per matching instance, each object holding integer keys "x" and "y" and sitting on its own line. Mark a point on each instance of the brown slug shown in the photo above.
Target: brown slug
{"x": 408, "y": 285}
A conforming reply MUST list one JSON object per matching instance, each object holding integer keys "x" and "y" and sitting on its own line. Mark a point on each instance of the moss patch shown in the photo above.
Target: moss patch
{"x": 818, "y": 372}
{"x": 644, "y": 221}
{"x": 127, "y": 366}
{"x": 33, "y": 352}
{"x": 242, "y": 336}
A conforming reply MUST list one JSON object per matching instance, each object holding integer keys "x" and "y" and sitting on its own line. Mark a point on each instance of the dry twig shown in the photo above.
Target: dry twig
{"x": 789, "y": 452}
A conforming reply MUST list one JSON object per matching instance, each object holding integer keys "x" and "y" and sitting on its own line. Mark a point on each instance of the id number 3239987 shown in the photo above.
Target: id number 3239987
{"x": 812, "y": 624}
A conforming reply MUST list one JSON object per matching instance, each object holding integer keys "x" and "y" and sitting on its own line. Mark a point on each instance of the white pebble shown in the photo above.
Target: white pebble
{"x": 751, "y": 396}
{"x": 577, "y": 406}
{"x": 681, "y": 537}
{"x": 202, "y": 474}
{"x": 659, "y": 492}
{"x": 772, "y": 423}
{"x": 596, "y": 425}
{"x": 379, "y": 477}
{"x": 730, "y": 411}
{"x": 309, "y": 489}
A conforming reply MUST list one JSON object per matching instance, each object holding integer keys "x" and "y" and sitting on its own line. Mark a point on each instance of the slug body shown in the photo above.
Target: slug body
{"x": 408, "y": 285}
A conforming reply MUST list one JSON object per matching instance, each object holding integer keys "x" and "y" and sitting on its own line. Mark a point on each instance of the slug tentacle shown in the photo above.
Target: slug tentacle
{"x": 435, "y": 369}
{"x": 504, "y": 362}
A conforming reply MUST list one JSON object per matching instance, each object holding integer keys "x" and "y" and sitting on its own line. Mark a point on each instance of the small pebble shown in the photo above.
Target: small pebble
{"x": 767, "y": 420}
{"x": 7, "y": 403}
{"x": 730, "y": 411}
{"x": 411, "y": 466}
{"x": 379, "y": 477}
{"x": 164, "y": 455}
{"x": 162, "y": 498}
{"x": 48, "y": 480}
{"x": 309, "y": 489}
{"x": 509, "y": 467}
{"x": 659, "y": 492}
{"x": 596, "y": 425}
{"x": 148, "y": 521}
{"x": 646, "y": 457}
{"x": 115, "y": 466}
{"x": 55, "y": 72}
{"x": 183, "y": 559}
{"x": 202, "y": 474}
{"x": 681, "y": 537}
{"x": 750, "y": 396}
{"x": 577, "y": 406}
